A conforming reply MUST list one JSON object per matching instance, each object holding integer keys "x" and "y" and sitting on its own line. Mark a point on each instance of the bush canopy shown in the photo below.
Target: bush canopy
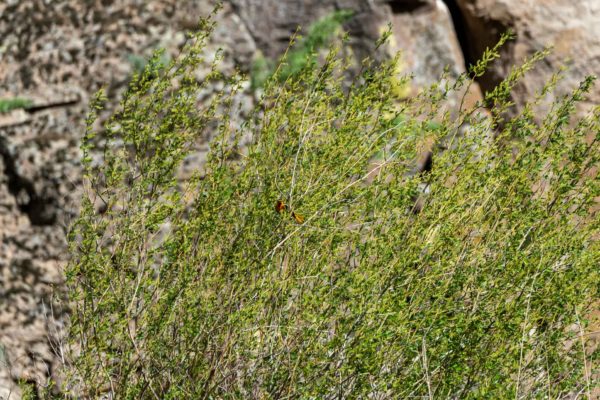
{"x": 299, "y": 266}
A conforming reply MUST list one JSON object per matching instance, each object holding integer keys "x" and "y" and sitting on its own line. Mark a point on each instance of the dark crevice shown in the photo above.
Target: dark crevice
{"x": 474, "y": 35}
{"x": 38, "y": 209}
{"x": 36, "y": 108}
{"x": 460, "y": 28}
{"x": 409, "y": 6}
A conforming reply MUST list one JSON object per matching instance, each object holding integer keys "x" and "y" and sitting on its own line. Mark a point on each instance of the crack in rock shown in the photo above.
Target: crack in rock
{"x": 38, "y": 208}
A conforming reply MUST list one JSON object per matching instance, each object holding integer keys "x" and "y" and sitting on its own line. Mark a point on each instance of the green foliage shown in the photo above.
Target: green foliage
{"x": 138, "y": 63}
{"x": 260, "y": 72}
{"x": 34, "y": 391}
{"x": 303, "y": 53}
{"x": 203, "y": 290}
{"x": 28, "y": 391}
{"x": 7, "y": 105}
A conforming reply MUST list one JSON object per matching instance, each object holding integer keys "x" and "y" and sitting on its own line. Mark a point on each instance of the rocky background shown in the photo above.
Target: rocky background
{"x": 57, "y": 53}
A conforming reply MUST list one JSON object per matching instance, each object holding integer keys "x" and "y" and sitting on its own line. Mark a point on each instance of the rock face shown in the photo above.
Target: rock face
{"x": 40, "y": 174}
{"x": 272, "y": 22}
{"x": 571, "y": 27}
{"x": 422, "y": 30}
{"x": 58, "y": 54}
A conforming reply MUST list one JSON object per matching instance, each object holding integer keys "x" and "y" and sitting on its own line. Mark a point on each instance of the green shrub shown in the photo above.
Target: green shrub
{"x": 260, "y": 72}
{"x": 298, "y": 268}
{"x": 138, "y": 62}
{"x": 7, "y": 105}
{"x": 304, "y": 52}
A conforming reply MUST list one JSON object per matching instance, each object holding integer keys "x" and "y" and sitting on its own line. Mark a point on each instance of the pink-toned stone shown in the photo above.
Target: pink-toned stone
{"x": 571, "y": 27}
